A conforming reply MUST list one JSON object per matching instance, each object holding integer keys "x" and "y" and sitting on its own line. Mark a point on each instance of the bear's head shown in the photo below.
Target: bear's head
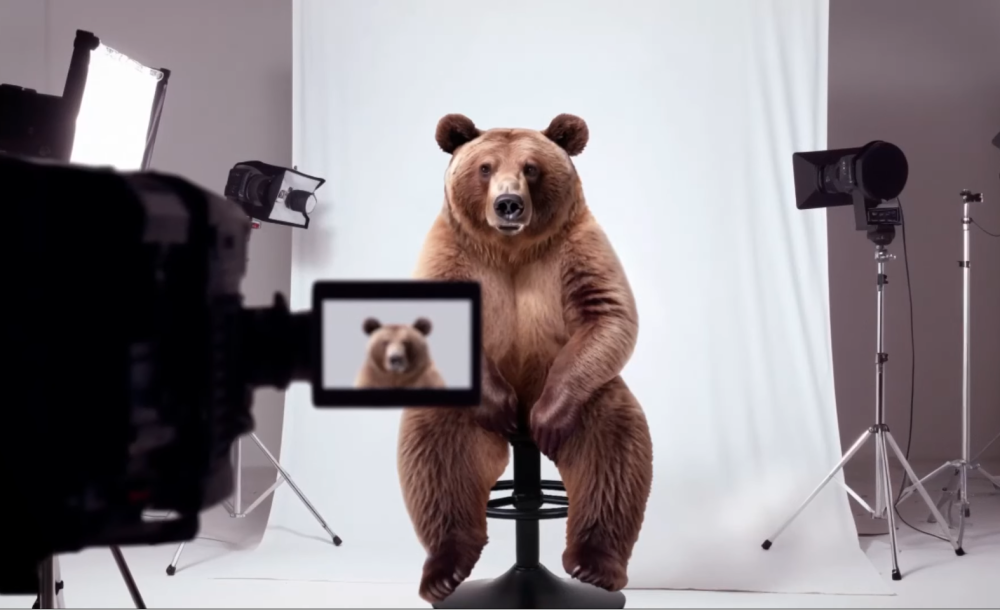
{"x": 399, "y": 349}
{"x": 512, "y": 186}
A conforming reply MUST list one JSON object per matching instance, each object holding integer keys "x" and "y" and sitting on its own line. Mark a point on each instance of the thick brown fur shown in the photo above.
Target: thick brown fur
{"x": 559, "y": 324}
{"x": 409, "y": 344}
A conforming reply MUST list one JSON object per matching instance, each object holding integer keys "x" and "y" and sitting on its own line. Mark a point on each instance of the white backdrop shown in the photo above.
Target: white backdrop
{"x": 694, "y": 108}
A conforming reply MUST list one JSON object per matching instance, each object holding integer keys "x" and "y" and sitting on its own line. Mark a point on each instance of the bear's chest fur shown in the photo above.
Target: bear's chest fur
{"x": 523, "y": 324}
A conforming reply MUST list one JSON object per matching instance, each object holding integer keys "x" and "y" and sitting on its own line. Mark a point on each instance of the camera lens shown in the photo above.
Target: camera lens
{"x": 838, "y": 177}
{"x": 257, "y": 187}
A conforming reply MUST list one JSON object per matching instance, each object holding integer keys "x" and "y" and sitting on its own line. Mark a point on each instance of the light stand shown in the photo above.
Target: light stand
{"x": 236, "y": 510}
{"x": 881, "y": 236}
{"x": 966, "y": 464}
{"x": 235, "y": 190}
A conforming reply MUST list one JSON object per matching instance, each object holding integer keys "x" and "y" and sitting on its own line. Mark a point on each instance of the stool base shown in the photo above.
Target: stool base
{"x": 531, "y": 588}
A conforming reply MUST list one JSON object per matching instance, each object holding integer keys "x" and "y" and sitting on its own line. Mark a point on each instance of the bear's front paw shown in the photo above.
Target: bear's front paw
{"x": 554, "y": 419}
{"x": 498, "y": 410}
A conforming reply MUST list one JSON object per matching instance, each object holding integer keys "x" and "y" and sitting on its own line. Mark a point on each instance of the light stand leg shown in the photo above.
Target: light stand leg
{"x": 989, "y": 477}
{"x": 334, "y": 537}
{"x": 50, "y": 585}
{"x": 946, "y": 501}
{"x": 923, "y": 494}
{"x": 986, "y": 448}
{"x": 238, "y": 480}
{"x": 880, "y": 482}
{"x": 47, "y": 583}
{"x": 912, "y": 488}
{"x": 840, "y": 466}
{"x": 172, "y": 568}
{"x": 133, "y": 590}
{"x": 883, "y": 466}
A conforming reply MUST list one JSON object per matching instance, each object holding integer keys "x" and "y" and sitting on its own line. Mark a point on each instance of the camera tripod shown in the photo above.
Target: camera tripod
{"x": 965, "y": 465}
{"x": 236, "y": 510}
{"x": 50, "y": 584}
{"x": 879, "y": 432}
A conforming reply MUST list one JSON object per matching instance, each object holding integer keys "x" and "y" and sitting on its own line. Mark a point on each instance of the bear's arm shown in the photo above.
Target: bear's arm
{"x": 600, "y": 314}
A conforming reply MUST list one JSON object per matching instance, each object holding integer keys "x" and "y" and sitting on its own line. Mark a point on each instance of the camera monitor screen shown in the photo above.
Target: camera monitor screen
{"x": 397, "y": 344}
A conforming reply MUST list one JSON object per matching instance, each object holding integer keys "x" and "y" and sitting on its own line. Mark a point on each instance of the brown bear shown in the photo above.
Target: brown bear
{"x": 559, "y": 324}
{"x": 398, "y": 357}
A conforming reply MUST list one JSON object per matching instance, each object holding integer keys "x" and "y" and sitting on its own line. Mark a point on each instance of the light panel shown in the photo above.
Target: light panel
{"x": 113, "y": 123}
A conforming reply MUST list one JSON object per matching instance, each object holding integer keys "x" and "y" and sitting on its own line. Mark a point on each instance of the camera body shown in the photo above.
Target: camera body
{"x": 128, "y": 378}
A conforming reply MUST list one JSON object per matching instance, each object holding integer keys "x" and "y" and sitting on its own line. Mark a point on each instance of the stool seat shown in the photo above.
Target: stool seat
{"x": 529, "y": 584}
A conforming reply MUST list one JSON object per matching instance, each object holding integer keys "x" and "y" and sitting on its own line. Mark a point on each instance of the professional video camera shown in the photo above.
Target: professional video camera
{"x": 131, "y": 360}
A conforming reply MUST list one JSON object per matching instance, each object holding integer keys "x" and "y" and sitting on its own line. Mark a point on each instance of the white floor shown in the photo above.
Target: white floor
{"x": 933, "y": 575}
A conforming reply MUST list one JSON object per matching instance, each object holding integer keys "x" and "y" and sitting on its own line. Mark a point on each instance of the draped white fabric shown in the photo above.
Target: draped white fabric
{"x": 694, "y": 109}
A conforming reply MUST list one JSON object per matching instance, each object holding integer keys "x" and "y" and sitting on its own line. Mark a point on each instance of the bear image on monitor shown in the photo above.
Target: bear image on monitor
{"x": 398, "y": 357}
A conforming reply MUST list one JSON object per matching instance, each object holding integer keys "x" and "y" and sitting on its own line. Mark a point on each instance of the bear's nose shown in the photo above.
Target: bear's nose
{"x": 508, "y": 206}
{"x": 397, "y": 360}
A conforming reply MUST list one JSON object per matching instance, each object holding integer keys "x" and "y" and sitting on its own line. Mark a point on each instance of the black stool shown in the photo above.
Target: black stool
{"x": 529, "y": 584}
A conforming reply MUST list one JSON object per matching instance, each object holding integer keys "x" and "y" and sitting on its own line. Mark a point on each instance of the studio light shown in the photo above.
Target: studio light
{"x": 273, "y": 194}
{"x": 864, "y": 177}
{"x": 118, "y": 108}
{"x": 108, "y": 113}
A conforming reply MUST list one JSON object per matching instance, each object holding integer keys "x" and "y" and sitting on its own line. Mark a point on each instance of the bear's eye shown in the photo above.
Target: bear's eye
{"x": 530, "y": 170}
{"x": 484, "y": 169}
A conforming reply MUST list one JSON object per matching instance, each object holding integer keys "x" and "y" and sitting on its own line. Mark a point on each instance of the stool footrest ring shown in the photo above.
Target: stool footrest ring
{"x": 549, "y": 485}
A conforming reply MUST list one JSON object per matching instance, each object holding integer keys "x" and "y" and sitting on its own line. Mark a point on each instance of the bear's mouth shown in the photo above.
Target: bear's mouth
{"x": 510, "y": 229}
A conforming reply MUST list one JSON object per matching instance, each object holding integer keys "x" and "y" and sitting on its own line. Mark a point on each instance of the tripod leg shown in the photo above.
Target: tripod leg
{"x": 59, "y": 585}
{"x": 992, "y": 479}
{"x": 336, "y": 539}
{"x": 172, "y": 568}
{"x": 883, "y": 467}
{"x": 840, "y": 466}
{"x": 133, "y": 590}
{"x": 946, "y": 501}
{"x": 912, "y": 488}
{"x": 47, "y": 583}
{"x": 984, "y": 449}
{"x": 880, "y": 483}
{"x": 923, "y": 494}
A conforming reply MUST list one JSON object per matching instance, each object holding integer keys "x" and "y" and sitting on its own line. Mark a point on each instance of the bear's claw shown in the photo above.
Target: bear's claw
{"x": 596, "y": 567}
{"x": 445, "y": 570}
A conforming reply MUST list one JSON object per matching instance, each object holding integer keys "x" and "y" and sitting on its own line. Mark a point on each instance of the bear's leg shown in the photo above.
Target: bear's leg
{"x": 447, "y": 466}
{"x": 607, "y": 468}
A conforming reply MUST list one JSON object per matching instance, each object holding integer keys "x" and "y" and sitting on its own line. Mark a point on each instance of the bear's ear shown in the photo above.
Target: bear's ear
{"x": 423, "y": 325}
{"x": 371, "y": 325}
{"x": 569, "y": 132}
{"x": 453, "y": 130}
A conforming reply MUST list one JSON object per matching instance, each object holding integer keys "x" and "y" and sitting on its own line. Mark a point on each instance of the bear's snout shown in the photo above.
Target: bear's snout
{"x": 509, "y": 206}
{"x": 395, "y": 358}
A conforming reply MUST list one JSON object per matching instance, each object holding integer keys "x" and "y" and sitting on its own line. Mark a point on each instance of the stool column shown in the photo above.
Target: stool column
{"x": 527, "y": 496}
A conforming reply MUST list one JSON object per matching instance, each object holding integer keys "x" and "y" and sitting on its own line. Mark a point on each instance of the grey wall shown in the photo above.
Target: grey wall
{"x": 229, "y": 100}
{"x": 924, "y": 74}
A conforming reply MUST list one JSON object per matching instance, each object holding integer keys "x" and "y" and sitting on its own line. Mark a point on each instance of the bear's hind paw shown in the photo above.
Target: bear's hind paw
{"x": 444, "y": 571}
{"x": 596, "y": 567}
